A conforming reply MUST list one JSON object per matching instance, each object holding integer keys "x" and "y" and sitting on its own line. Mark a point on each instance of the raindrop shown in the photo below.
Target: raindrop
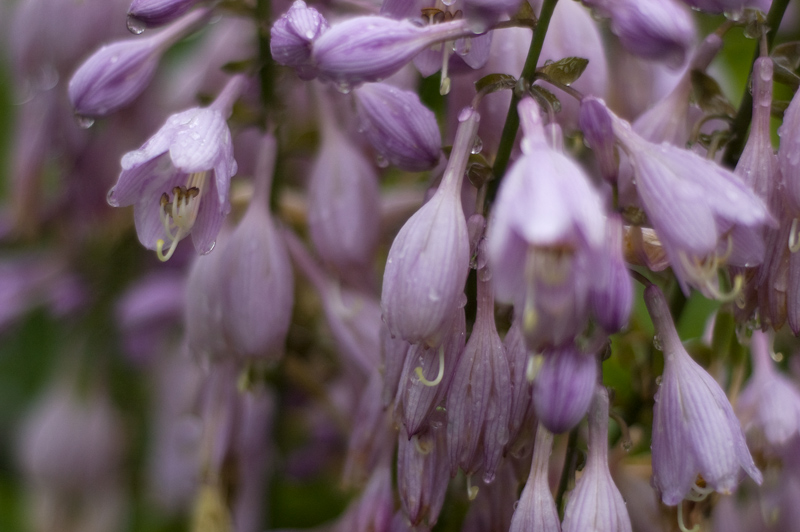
{"x": 657, "y": 342}
{"x": 381, "y": 161}
{"x": 658, "y": 380}
{"x": 477, "y": 146}
{"x": 84, "y": 122}
{"x": 627, "y": 445}
{"x": 210, "y": 248}
{"x": 135, "y": 25}
{"x": 515, "y": 505}
{"x": 448, "y": 2}
{"x": 462, "y": 301}
{"x": 433, "y": 296}
{"x": 344, "y": 87}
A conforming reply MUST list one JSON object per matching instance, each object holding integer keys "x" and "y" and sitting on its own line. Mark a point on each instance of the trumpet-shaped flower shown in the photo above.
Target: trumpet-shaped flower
{"x": 179, "y": 180}
{"x": 695, "y": 431}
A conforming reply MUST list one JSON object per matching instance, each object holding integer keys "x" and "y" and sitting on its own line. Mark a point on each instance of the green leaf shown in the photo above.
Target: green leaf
{"x": 525, "y": 15}
{"x": 708, "y": 95}
{"x": 495, "y": 82}
{"x": 566, "y": 70}
{"x": 545, "y": 97}
{"x": 784, "y": 76}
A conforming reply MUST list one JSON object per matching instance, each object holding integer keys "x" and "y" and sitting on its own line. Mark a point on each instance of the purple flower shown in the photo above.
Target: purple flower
{"x": 692, "y": 203}
{"x": 256, "y": 280}
{"x": 789, "y": 155}
{"x": 520, "y": 420}
{"x": 654, "y": 29}
{"x": 536, "y": 509}
{"x": 611, "y": 297}
{"x": 596, "y": 504}
{"x": 179, "y": 180}
{"x": 479, "y": 398}
{"x": 372, "y": 48}
{"x": 117, "y": 73}
{"x": 770, "y": 403}
{"x": 398, "y": 126}
{"x": 563, "y": 387}
{"x": 343, "y": 203}
{"x": 547, "y": 228}
{"x": 293, "y": 34}
{"x": 422, "y": 475}
{"x": 429, "y": 259}
{"x": 152, "y": 13}
{"x": 695, "y": 431}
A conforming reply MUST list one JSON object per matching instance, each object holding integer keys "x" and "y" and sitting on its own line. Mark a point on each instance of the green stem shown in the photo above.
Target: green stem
{"x": 568, "y": 472}
{"x": 512, "y": 118}
{"x": 745, "y": 113}
{"x": 266, "y": 72}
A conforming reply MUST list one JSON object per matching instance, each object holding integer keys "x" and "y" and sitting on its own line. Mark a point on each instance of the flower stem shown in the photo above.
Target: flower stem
{"x": 512, "y": 118}
{"x": 568, "y": 472}
{"x": 745, "y": 113}
{"x": 266, "y": 72}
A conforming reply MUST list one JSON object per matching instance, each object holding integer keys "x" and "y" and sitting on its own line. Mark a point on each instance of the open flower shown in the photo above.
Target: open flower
{"x": 179, "y": 180}
{"x": 694, "y": 429}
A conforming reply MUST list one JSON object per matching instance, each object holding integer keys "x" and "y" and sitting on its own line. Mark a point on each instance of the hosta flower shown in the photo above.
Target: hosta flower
{"x": 398, "y": 126}
{"x": 428, "y": 262}
{"x": 292, "y": 35}
{"x": 117, "y": 73}
{"x": 596, "y": 504}
{"x": 546, "y": 235}
{"x": 151, "y": 13}
{"x": 536, "y": 510}
{"x": 695, "y": 431}
{"x": 770, "y": 403}
{"x": 422, "y": 475}
{"x": 693, "y": 204}
{"x": 179, "y": 180}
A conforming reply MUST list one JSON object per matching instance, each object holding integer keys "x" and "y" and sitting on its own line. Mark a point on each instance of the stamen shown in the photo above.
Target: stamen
{"x": 725, "y": 297}
{"x": 439, "y": 376}
{"x": 695, "y": 528}
{"x": 179, "y": 215}
{"x": 423, "y": 449}
{"x": 444, "y": 85}
{"x": 698, "y": 494}
{"x": 472, "y": 491}
{"x": 160, "y": 247}
{"x": 794, "y": 241}
{"x": 533, "y": 367}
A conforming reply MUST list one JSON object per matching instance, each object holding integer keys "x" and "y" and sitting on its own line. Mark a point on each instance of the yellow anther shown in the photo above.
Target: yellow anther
{"x": 439, "y": 375}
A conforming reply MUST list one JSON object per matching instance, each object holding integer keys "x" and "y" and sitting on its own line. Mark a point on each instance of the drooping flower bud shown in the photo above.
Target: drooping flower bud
{"x": 563, "y": 387}
{"x": 422, "y": 475}
{"x": 520, "y": 419}
{"x": 398, "y": 126}
{"x": 343, "y": 203}
{"x": 372, "y": 48}
{"x": 611, "y": 296}
{"x": 117, "y": 73}
{"x": 695, "y": 431}
{"x": 428, "y": 262}
{"x": 373, "y": 509}
{"x": 789, "y": 155}
{"x": 770, "y": 402}
{"x": 536, "y": 509}
{"x": 152, "y": 13}
{"x": 596, "y": 503}
{"x": 654, "y": 29}
{"x": 292, "y": 36}
{"x": 479, "y": 398}
{"x": 598, "y": 134}
{"x": 256, "y": 276}
{"x": 426, "y": 377}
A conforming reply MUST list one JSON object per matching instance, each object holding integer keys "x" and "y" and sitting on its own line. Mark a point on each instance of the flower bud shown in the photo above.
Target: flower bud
{"x": 398, "y": 126}
{"x": 422, "y": 475}
{"x": 598, "y": 134}
{"x": 596, "y": 503}
{"x": 520, "y": 422}
{"x": 536, "y": 509}
{"x": 117, "y": 73}
{"x": 152, "y": 13}
{"x": 563, "y": 387}
{"x": 256, "y": 276}
{"x": 429, "y": 259}
{"x": 371, "y": 48}
{"x": 611, "y": 297}
{"x": 292, "y": 35}
{"x": 343, "y": 203}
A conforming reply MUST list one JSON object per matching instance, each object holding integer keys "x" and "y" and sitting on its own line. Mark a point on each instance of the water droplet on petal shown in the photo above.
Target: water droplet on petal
{"x": 657, "y": 342}
{"x": 210, "y": 248}
{"x": 658, "y": 380}
{"x": 381, "y": 161}
{"x": 84, "y": 122}
{"x": 135, "y": 25}
{"x": 477, "y": 146}
{"x": 344, "y": 87}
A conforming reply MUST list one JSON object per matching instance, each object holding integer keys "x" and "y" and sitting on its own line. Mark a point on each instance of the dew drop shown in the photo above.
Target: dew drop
{"x": 515, "y": 505}
{"x": 658, "y": 380}
{"x": 477, "y": 146}
{"x": 381, "y": 161}
{"x": 135, "y": 25}
{"x": 84, "y": 122}
{"x": 210, "y": 248}
{"x": 344, "y": 87}
{"x": 657, "y": 342}
{"x": 448, "y": 2}
{"x": 433, "y": 296}
{"x": 465, "y": 114}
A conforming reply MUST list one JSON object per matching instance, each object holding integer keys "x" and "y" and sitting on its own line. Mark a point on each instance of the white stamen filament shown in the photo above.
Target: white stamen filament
{"x": 695, "y": 528}
{"x": 444, "y": 85}
{"x": 180, "y": 214}
{"x": 794, "y": 242}
{"x": 704, "y": 271}
{"x": 439, "y": 375}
